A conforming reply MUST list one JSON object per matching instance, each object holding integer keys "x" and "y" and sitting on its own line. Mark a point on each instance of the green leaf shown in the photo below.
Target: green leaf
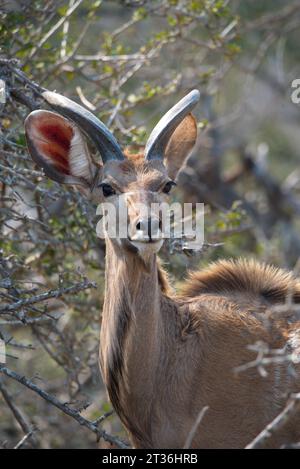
{"x": 140, "y": 14}
{"x": 172, "y": 20}
{"x": 62, "y": 10}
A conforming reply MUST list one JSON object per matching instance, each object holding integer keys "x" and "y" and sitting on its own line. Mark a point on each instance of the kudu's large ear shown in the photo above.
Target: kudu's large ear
{"x": 59, "y": 148}
{"x": 180, "y": 145}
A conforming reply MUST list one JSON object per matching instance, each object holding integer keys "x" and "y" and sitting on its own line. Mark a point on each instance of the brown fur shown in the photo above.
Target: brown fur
{"x": 179, "y": 354}
{"x": 248, "y": 277}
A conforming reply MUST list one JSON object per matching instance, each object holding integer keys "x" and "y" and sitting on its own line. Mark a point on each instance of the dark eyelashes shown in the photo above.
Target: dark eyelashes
{"x": 168, "y": 186}
{"x": 107, "y": 189}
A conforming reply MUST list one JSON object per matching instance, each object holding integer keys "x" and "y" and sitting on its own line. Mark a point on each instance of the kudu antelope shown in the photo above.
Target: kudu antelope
{"x": 163, "y": 356}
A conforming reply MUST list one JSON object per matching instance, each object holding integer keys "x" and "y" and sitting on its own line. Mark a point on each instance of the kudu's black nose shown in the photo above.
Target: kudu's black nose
{"x": 149, "y": 227}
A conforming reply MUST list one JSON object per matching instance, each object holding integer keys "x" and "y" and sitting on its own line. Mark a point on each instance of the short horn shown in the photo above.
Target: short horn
{"x": 103, "y": 139}
{"x": 162, "y": 132}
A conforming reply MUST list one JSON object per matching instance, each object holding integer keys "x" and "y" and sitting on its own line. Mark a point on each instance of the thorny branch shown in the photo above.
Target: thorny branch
{"x": 21, "y": 419}
{"x": 46, "y": 296}
{"x": 75, "y": 414}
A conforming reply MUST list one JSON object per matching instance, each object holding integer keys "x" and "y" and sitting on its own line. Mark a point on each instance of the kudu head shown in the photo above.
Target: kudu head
{"x": 57, "y": 143}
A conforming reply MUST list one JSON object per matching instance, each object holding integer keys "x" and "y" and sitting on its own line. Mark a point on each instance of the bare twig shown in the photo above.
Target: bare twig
{"x": 21, "y": 443}
{"x": 20, "y": 418}
{"x": 46, "y": 296}
{"x": 63, "y": 407}
{"x": 192, "y": 433}
{"x": 55, "y": 28}
{"x": 278, "y": 424}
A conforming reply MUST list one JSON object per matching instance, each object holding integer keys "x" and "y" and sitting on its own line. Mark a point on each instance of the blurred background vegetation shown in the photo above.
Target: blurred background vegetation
{"x": 128, "y": 62}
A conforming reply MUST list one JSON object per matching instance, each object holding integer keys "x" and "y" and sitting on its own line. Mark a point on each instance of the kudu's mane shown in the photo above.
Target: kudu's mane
{"x": 266, "y": 282}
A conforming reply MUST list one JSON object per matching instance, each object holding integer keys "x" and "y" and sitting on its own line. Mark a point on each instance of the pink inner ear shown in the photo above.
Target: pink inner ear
{"x": 52, "y": 137}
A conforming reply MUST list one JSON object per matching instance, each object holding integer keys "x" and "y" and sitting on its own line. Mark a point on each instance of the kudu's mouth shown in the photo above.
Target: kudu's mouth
{"x": 144, "y": 247}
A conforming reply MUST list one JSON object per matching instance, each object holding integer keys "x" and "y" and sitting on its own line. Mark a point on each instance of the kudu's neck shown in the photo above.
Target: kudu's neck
{"x": 131, "y": 331}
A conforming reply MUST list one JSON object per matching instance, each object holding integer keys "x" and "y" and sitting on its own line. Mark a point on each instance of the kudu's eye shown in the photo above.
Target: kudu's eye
{"x": 107, "y": 189}
{"x": 168, "y": 186}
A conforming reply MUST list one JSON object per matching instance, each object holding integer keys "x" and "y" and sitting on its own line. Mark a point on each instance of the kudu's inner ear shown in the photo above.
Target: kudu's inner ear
{"x": 180, "y": 145}
{"x": 57, "y": 145}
